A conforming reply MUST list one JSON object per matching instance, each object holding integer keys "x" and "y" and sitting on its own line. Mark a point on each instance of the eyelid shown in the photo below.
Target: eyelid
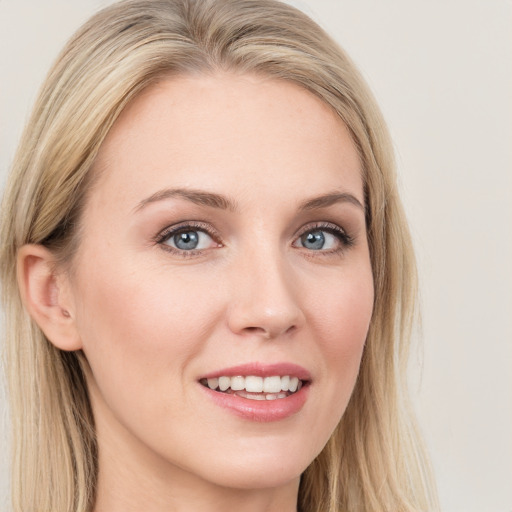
{"x": 321, "y": 226}
{"x": 344, "y": 238}
{"x": 174, "y": 229}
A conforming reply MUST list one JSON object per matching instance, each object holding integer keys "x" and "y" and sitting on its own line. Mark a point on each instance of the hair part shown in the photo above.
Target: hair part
{"x": 374, "y": 460}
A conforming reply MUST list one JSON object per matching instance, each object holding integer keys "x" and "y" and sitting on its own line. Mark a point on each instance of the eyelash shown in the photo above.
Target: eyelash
{"x": 346, "y": 241}
{"x": 184, "y": 227}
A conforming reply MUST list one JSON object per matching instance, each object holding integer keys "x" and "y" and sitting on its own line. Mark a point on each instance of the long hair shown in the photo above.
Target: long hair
{"x": 374, "y": 461}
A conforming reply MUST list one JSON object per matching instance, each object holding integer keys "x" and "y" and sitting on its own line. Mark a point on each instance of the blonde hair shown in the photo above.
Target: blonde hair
{"x": 374, "y": 461}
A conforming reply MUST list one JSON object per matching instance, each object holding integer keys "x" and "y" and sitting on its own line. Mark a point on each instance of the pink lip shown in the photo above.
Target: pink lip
{"x": 261, "y": 410}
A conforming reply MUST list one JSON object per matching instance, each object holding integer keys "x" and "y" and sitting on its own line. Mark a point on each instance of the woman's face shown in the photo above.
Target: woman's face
{"x": 223, "y": 244}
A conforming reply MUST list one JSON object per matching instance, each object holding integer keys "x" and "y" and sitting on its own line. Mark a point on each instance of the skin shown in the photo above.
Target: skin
{"x": 152, "y": 320}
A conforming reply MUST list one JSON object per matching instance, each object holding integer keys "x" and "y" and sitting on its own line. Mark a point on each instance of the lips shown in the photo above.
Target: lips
{"x": 259, "y": 392}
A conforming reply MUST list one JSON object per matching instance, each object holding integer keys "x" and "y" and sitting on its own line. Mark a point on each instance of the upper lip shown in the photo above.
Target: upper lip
{"x": 261, "y": 370}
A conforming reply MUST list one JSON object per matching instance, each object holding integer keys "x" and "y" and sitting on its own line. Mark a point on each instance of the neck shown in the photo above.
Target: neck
{"x": 175, "y": 498}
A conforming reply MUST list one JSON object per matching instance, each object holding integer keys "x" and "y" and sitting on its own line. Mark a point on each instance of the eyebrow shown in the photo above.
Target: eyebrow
{"x": 199, "y": 197}
{"x": 327, "y": 200}
{"x": 221, "y": 202}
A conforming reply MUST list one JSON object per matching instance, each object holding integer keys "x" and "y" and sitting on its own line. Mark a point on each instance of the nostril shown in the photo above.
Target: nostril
{"x": 258, "y": 331}
{"x": 291, "y": 329}
{"x": 269, "y": 333}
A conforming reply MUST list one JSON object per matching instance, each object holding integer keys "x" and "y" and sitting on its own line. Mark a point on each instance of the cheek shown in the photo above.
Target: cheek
{"x": 342, "y": 323}
{"x": 139, "y": 304}
{"x": 345, "y": 317}
{"x": 142, "y": 331}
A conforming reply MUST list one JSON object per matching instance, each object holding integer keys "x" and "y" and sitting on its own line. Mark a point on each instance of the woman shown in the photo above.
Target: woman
{"x": 208, "y": 278}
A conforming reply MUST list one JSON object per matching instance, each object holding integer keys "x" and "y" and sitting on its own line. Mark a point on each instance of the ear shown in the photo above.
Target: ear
{"x": 46, "y": 295}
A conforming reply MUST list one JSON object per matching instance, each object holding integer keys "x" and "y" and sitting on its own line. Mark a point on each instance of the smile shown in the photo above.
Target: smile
{"x": 260, "y": 392}
{"x": 253, "y": 387}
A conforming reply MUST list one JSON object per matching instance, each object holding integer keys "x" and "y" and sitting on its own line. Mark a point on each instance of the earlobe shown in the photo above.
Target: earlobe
{"x": 44, "y": 293}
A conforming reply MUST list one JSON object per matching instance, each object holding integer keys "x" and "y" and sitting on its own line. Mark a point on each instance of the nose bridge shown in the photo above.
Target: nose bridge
{"x": 264, "y": 297}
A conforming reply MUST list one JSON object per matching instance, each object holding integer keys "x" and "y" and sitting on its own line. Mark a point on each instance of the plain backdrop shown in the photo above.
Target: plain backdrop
{"x": 442, "y": 74}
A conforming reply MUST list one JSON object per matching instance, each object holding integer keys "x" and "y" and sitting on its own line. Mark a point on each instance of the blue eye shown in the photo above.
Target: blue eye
{"x": 313, "y": 240}
{"x": 190, "y": 240}
{"x": 324, "y": 238}
{"x": 318, "y": 240}
{"x": 186, "y": 241}
{"x": 187, "y": 238}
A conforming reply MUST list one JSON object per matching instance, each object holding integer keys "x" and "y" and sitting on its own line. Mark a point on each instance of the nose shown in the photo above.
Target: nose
{"x": 265, "y": 299}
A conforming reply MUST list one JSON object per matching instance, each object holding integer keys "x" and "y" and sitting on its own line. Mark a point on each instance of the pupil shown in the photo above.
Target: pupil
{"x": 313, "y": 240}
{"x": 187, "y": 240}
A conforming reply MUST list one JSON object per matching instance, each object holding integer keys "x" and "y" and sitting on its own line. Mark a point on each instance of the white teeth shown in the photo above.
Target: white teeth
{"x": 260, "y": 396}
{"x": 273, "y": 387}
{"x": 224, "y": 383}
{"x": 237, "y": 383}
{"x": 254, "y": 384}
{"x": 272, "y": 384}
{"x": 294, "y": 382}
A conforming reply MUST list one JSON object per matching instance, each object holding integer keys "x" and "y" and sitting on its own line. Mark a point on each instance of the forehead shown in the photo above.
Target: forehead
{"x": 244, "y": 133}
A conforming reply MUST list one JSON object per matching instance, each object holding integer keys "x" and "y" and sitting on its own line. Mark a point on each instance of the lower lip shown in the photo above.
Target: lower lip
{"x": 260, "y": 410}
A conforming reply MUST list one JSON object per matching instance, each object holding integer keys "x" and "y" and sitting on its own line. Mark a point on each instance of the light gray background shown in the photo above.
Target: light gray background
{"x": 441, "y": 71}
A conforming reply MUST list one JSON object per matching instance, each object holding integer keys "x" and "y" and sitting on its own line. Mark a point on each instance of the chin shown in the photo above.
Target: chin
{"x": 252, "y": 478}
{"x": 259, "y": 469}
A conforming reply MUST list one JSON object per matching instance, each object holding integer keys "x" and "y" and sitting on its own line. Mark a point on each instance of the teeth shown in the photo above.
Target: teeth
{"x": 257, "y": 396}
{"x": 254, "y": 384}
{"x": 224, "y": 383}
{"x": 274, "y": 386}
{"x": 237, "y": 383}
{"x": 294, "y": 382}
{"x": 261, "y": 396}
{"x": 213, "y": 383}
